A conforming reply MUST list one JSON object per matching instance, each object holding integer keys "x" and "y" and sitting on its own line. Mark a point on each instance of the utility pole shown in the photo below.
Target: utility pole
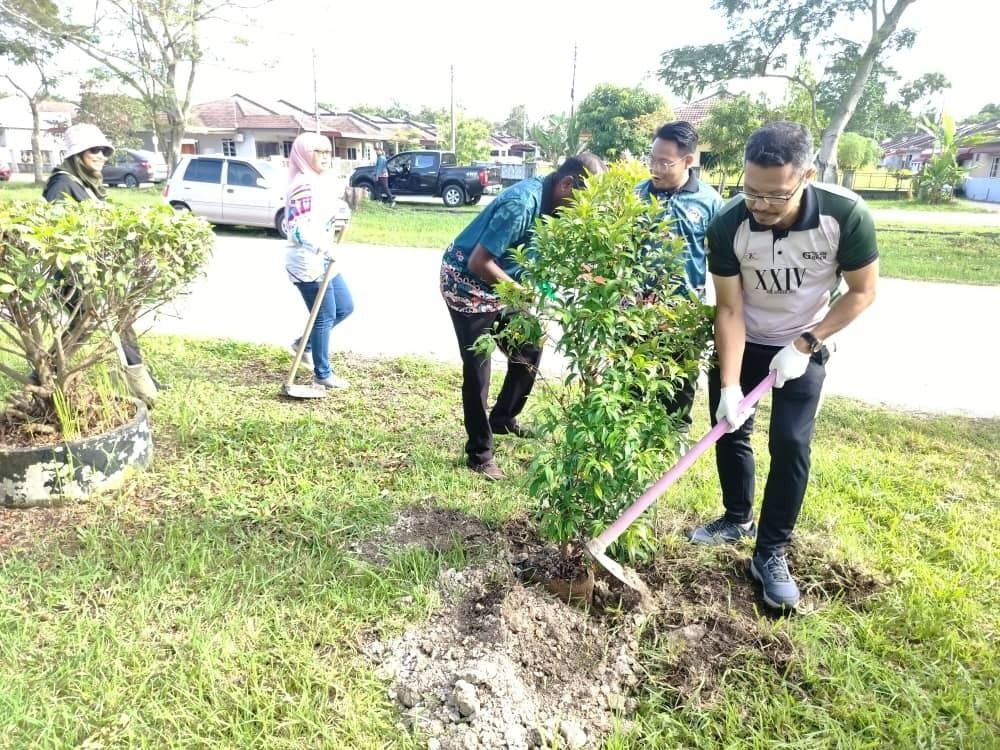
{"x": 572, "y": 88}
{"x": 315, "y": 96}
{"x": 453, "y": 107}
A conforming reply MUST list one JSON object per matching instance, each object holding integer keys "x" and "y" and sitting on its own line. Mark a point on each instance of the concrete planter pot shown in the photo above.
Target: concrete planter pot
{"x": 65, "y": 472}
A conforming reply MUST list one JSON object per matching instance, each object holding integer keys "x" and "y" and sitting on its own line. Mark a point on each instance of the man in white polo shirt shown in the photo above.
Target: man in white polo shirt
{"x": 777, "y": 254}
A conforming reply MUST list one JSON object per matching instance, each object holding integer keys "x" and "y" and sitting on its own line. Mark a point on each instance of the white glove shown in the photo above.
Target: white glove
{"x": 729, "y": 405}
{"x": 789, "y": 363}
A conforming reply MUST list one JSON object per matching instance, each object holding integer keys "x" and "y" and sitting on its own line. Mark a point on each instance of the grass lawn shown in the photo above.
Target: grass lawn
{"x": 959, "y": 255}
{"x": 216, "y": 601}
{"x": 143, "y": 196}
{"x": 959, "y": 206}
{"x": 409, "y": 225}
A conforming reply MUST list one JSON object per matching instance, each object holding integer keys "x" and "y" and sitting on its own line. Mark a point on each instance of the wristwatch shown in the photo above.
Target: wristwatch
{"x": 814, "y": 343}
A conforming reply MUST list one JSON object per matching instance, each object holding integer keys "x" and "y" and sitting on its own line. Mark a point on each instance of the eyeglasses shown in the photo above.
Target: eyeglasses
{"x": 773, "y": 200}
{"x": 662, "y": 164}
{"x": 322, "y": 151}
{"x": 99, "y": 151}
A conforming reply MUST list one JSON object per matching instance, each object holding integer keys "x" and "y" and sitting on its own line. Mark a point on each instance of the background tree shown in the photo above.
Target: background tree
{"x": 31, "y": 69}
{"x": 725, "y": 131}
{"x": 396, "y": 111}
{"x": 118, "y": 115}
{"x": 987, "y": 113}
{"x": 620, "y": 119}
{"x": 516, "y": 122}
{"x": 472, "y": 137}
{"x": 152, "y": 46}
{"x": 854, "y": 152}
{"x": 768, "y": 39}
{"x": 557, "y": 137}
{"x": 550, "y": 135}
{"x": 942, "y": 173}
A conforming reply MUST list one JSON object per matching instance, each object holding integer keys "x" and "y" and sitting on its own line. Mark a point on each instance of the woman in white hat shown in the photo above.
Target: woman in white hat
{"x": 79, "y": 177}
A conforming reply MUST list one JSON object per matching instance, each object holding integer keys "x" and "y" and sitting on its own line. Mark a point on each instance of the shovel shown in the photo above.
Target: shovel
{"x": 290, "y": 389}
{"x": 596, "y": 547}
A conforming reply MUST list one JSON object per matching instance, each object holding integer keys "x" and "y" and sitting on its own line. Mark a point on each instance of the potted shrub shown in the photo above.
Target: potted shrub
{"x": 69, "y": 273}
{"x": 608, "y": 431}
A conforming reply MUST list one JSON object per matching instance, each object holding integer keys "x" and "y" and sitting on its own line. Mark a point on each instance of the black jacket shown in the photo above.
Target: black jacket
{"x": 62, "y": 185}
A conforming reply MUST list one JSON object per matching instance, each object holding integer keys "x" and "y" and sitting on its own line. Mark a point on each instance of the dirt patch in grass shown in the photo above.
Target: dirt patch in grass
{"x": 505, "y": 663}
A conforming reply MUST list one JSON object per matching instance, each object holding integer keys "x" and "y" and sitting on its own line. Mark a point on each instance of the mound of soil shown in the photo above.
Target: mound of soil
{"x": 504, "y": 663}
{"x": 506, "y": 666}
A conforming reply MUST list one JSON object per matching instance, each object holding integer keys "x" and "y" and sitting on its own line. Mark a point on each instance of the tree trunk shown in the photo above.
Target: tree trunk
{"x": 36, "y": 144}
{"x": 827, "y": 158}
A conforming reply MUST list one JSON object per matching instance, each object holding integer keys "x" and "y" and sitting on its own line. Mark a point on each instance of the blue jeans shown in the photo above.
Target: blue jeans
{"x": 337, "y": 305}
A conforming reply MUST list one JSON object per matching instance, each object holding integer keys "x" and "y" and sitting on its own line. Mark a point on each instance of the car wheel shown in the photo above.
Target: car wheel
{"x": 131, "y": 181}
{"x": 179, "y": 207}
{"x": 473, "y": 200}
{"x": 279, "y": 224}
{"x": 453, "y": 196}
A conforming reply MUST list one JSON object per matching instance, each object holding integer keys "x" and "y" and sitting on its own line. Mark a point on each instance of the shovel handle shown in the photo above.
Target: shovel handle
{"x": 651, "y": 495}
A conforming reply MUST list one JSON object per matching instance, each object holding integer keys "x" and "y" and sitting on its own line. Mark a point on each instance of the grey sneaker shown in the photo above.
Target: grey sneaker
{"x": 779, "y": 588}
{"x": 722, "y": 531}
{"x": 332, "y": 381}
{"x": 307, "y": 357}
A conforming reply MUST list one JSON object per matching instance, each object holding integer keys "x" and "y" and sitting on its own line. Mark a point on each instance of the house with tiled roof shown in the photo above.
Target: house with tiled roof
{"x": 250, "y": 129}
{"x": 696, "y": 111}
{"x": 16, "y": 127}
{"x": 979, "y": 152}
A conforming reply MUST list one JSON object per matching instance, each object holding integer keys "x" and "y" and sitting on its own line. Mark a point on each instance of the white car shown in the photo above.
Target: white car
{"x": 229, "y": 190}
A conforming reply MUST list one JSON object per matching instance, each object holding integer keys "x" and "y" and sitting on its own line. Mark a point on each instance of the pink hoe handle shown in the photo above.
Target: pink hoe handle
{"x": 650, "y": 496}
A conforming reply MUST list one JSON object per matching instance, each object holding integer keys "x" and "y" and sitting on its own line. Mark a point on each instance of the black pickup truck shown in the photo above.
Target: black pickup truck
{"x": 428, "y": 173}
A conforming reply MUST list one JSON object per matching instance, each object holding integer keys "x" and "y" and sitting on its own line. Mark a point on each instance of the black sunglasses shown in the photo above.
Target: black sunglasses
{"x": 99, "y": 150}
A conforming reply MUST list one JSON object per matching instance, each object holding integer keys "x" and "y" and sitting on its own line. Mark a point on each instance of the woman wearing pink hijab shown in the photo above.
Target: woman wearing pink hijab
{"x": 311, "y": 207}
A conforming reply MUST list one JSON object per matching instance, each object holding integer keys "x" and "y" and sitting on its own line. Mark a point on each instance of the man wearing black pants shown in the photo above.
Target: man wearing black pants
{"x": 521, "y": 369}
{"x": 775, "y": 254}
{"x": 480, "y": 257}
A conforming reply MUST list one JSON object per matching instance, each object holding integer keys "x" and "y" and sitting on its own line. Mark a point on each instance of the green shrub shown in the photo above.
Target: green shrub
{"x": 609, "y": 430}
{"x": 98, "y": 265}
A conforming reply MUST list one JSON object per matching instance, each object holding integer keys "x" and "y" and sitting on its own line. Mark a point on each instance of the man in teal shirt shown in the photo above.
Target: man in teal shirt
{"x": 480, "y": 257}
{"x": 382, "y": 177}
{"x": 691, "y": 205}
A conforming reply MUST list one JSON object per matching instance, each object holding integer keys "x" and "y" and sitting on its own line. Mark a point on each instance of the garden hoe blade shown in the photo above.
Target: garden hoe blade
{"x": 596, "y": 547}
{"x": 290, "y": 389}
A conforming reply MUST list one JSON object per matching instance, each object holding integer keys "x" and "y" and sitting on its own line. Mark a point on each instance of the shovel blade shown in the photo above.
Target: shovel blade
{"x": 626, "y": 575}
{"x": 304, "y": 391}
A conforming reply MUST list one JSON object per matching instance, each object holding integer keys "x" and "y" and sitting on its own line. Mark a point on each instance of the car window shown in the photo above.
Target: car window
{"x": 204, "y": 170}
{"x": 424, "y": 161}
{"x": 448, "y": 160}
{"x": 401, "y": 163}
{"x": 241, "y": 174}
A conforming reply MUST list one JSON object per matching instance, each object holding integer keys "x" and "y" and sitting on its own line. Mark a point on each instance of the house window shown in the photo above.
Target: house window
{"x": 264, "y": 150}
{"x": 352, "y": 153}
{"x": 286, "y": 148}
{"x": 228, "y": 147}
{"x": 995, "y": 167}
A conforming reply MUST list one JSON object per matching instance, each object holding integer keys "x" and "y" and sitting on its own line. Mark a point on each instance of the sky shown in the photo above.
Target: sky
{"x": 521, "y": 51}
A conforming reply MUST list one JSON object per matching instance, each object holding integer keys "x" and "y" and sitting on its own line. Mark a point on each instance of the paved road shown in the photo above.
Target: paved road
{"x": 921, "y": 347}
